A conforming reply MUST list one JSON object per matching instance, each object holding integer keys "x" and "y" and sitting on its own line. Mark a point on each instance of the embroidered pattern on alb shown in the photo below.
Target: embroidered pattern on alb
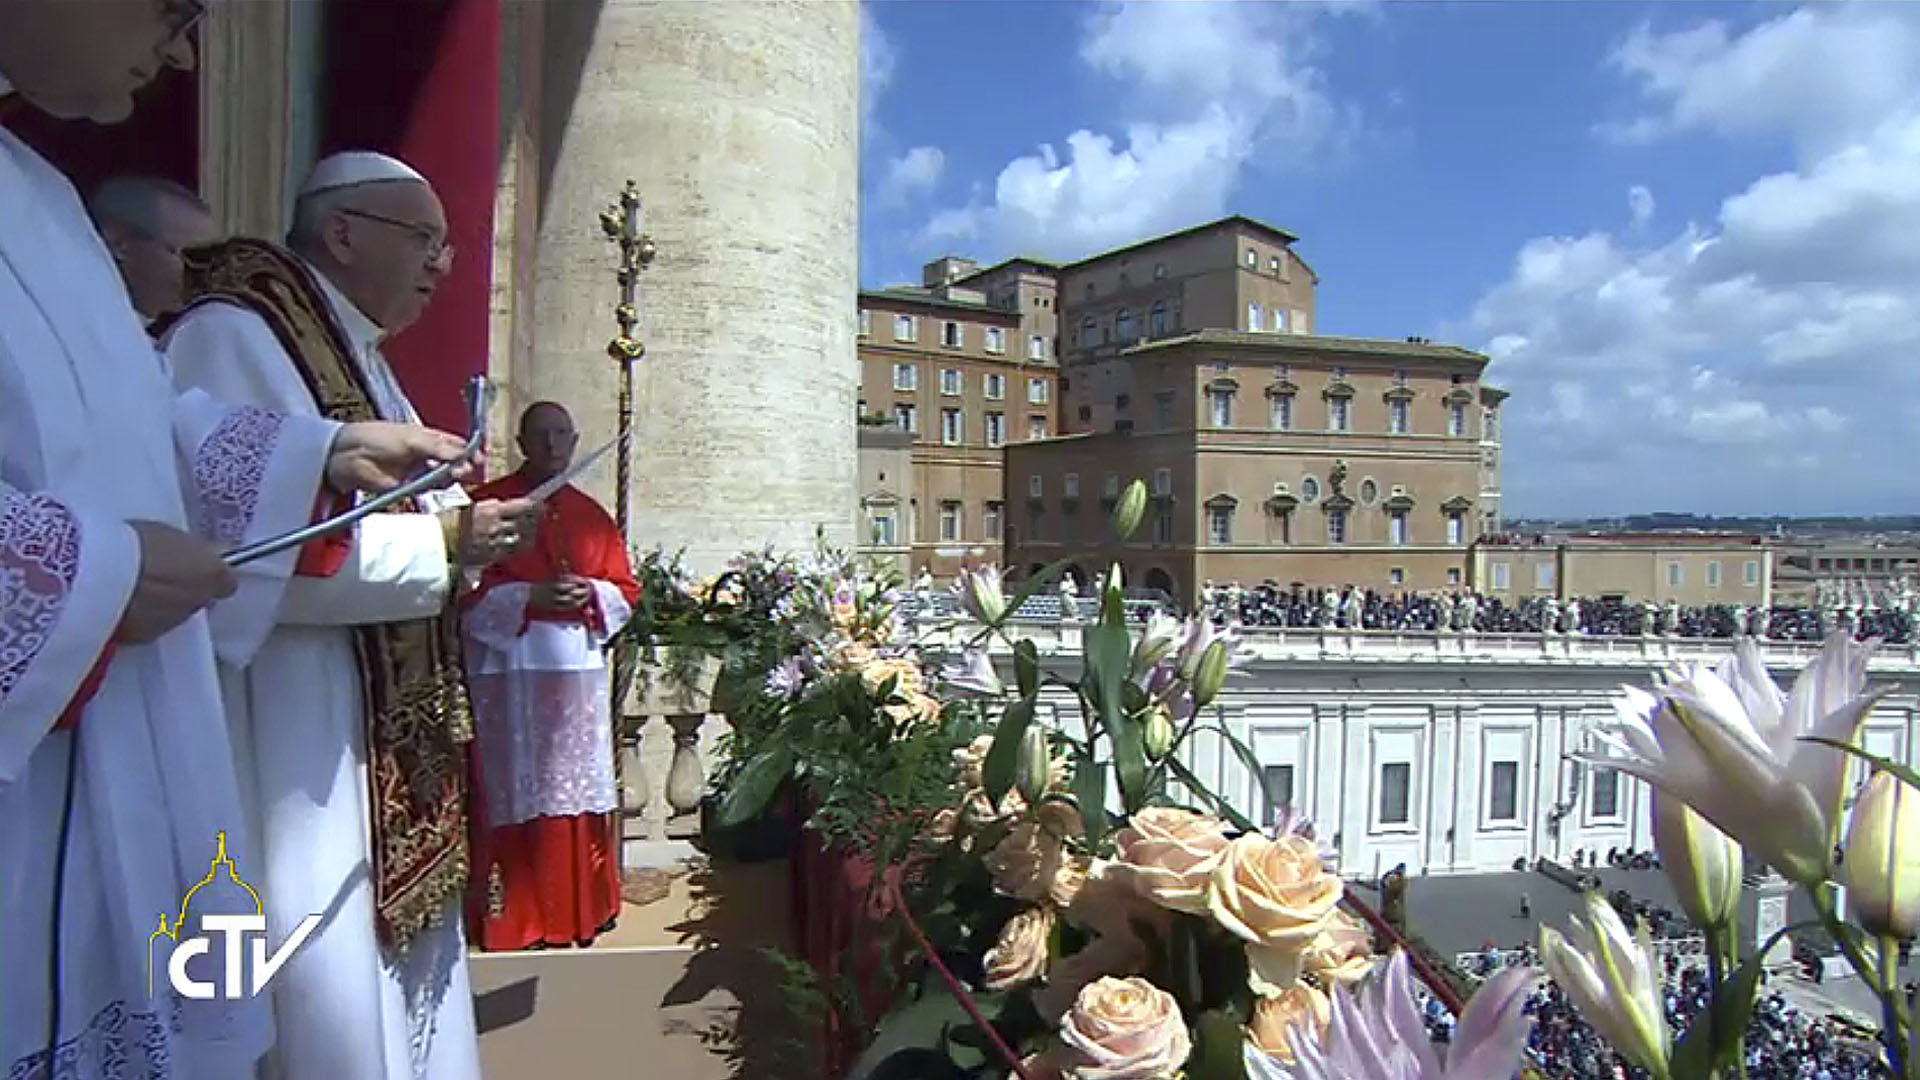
{"x": 39, "y": 559}
{"x": 117, "y": 1044}
{"x": 545, "y": 746}
{"x": 229, "y": 469}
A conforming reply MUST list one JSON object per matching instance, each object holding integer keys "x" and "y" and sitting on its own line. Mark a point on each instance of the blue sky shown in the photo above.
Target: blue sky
{"x": 1688, "y": 233}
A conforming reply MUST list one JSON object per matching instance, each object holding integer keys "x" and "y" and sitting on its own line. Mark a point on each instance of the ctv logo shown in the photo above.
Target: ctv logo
{"x": 237, "y": 931}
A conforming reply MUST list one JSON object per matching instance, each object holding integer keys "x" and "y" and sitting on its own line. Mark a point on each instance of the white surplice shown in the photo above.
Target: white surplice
{"x": 92, "y": 435}
{"x": 289, "y": 670}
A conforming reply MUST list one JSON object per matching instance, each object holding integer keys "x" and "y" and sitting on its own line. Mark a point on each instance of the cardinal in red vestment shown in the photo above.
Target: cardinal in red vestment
{"x": 546, "y": 872}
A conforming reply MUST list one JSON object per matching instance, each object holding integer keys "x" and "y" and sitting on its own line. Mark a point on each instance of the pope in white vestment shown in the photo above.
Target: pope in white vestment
{"x": 126, "y": 742}
{"x": 351, "y": 1004}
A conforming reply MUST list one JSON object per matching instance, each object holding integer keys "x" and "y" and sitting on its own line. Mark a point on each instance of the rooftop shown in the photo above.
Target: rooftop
{"x": 934, "y": 298}
{"x": 1272, "y": 232}
{"x": 1310, "y": 343}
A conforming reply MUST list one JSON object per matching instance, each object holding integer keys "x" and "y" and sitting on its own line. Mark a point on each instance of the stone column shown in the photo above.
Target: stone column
{"x": 740, "y": 124}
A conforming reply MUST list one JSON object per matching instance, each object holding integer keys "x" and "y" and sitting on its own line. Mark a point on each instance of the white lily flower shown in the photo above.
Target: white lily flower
{"x": 1613, "y": 977}
{"x": 1702, "y": 863}
{"x": 1727, "y": 743}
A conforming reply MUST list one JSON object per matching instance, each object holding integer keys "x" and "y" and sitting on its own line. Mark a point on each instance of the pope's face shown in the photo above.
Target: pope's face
{"x": 393, "y": 252}
{"x": 85, "y": 59}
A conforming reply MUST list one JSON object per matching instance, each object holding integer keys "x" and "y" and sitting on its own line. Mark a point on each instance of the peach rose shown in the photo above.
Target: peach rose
{"x": 1108, "y": 954}
{"x": 1276, "y": 895}
{"x": 1020, "y": 954}
{"x": 978, "y": 811}
{"x": 1028, "y": 861}
{"x": 1107, "y": 901}
{"x": 1302, "y": 1008}
{"x": 1342, "y": 953}
{"x": 1172, "y": 854}
{"x": 1125, "y": 1029}
{"x": 852, "y": 655}
{"x": 970, "y": 761}
{"x": 876, "y": 673}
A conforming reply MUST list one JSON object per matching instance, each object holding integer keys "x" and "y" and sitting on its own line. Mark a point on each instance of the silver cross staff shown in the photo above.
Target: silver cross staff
{"x": 480, "y": 403}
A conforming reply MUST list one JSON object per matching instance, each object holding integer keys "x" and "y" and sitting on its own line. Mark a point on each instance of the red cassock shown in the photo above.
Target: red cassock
{"x": 546, "y": 820}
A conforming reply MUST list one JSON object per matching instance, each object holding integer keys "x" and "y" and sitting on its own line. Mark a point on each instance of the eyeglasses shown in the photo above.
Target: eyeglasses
{"x": 181, "y": 16}
{"x": 433, "y": 245}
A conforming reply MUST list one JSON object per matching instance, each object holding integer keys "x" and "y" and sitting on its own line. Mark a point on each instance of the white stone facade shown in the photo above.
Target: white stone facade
{"x": 1448, "y": 752}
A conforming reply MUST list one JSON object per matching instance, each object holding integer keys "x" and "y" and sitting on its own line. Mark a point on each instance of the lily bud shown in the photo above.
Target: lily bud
{"x": 1883, "y": 858}
{"x": 1036, "y": 766}
{"x": 1162, "y": 634}
{"x": 1211, "y": 674}
{"x": 1158, "y": 734}
{"x": 1613, "y": 977}
{"x": 1703, "y": 864}
{"x": 1200, "y": 634}
{"x": 979, "y": 593}
{"x": 1133, "y": 505}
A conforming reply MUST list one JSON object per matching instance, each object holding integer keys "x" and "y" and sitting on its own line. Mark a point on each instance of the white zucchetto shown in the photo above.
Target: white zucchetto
{"x": 353, "y": 167}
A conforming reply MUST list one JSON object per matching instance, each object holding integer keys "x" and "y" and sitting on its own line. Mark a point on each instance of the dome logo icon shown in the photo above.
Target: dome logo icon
{"x": 243, "y": 936}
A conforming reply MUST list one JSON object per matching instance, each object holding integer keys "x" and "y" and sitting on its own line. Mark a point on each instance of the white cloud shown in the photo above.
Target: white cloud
{"x": 878, "y": 57}
{"x": 1640, "y": 205}
{"x": 912, "y": 173}
{"x": 1208, "y": 90}
{"x": 1681, "y": 372}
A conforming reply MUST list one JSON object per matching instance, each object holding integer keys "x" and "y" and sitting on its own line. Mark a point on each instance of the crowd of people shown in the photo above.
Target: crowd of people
{"x": 1297, "y": 606}
{"x": 1783, "y": 1042}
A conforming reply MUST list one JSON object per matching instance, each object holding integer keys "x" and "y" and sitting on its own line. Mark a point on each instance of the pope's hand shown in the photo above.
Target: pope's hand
{"x": 497, "y": 528}
{"x": 179, "y": 574}
{"x": 376, "y": 456}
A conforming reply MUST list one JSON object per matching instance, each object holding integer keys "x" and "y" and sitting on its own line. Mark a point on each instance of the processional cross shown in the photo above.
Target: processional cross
{"x": 621, "y": 223}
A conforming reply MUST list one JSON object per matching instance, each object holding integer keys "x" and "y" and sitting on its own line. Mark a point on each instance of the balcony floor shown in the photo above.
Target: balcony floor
{"x": 662, "y": 994}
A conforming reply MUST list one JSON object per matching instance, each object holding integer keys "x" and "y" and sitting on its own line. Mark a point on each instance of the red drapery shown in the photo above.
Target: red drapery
{"x": 421, "y": 80}
{"x": 161, "y": 138}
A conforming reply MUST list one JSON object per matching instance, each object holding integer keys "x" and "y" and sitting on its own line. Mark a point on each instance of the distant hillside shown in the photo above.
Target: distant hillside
{"x": 1819, "y": 526}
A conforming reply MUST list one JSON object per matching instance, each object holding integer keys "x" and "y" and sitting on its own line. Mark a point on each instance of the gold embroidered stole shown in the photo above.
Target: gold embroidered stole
{"x": 419, "y": 720}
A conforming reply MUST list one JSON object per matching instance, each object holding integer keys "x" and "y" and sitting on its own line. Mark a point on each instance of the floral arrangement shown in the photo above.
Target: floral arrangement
{"x": 1169, "y": 939}
{"x": 1742, "y": 770}
{"x": 731, "y": 615}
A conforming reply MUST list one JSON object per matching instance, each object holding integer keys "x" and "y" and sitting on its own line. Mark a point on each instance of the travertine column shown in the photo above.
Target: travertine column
{"x": 740, "y": 123}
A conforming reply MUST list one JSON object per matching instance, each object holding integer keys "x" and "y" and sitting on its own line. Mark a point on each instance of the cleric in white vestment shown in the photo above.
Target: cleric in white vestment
{"x": 116, "y": 774}
{"x": 343, "y": 681}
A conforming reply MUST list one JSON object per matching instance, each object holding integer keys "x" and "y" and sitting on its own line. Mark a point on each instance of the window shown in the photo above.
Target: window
{"x": 1453, "y": 575}
{"x": 1713, "y": 574}
{"x": 1339, "y": 414}
{"x": 996, "y": 339}
{"x": 1750, "y": 572}
{"x": 881, "y": 530}
{"x": 906, "y": 328}
{"x": 950, "y": 335}
{"x": 1606, "y": 793}
{"x": 1036, "y": 391}
{"x": 1397, "y": 417}
{"x": 995, "y": 387}
{"x": 1309, "y": 489}
{"x": 949, "y": 521}
{"x": 1253, "y": 259}
{"x": 1036, "y": 346}
{"x": 990, "y": 523}
{"x": 866, "y": 323}
{"x": 1490, "y": 426}
{"x": 1037, "y": 526}
{"x": 1396, "y": 783}
{"x": 1336, "y": 526}
{"x": 996, "y": 429}
{"x": 1163, "y": 526}
{"x": 1277, "y": 784}
{"x": 1220, "y": 407}
{"x": 1070, "y": 485}
{"x": 1157, "y": 320}
{"x": 950, "y": 432}
{"x": 903, "y": 418}
{"x": 1543, "y": 575}
{"x": 1036, "y": 427}
{"x": 1163, "y": 481}
{"x": 1279, "y": 320}
{"x": 1675, "y": 575}
{"x": 1397, "y": 528}
{"x": 1503, "y": 792}
{"x": 1163, "y": 409}
{"x": 1035, "y": 486}
{"x": 1159, "y": 271}
{"x": 1456, "y": 529}
{"x": 1123, "y": 326}
{"x": 906, "y": 377}
{"x": 1300, "y": 324}
{"x": 1502, "y": 576}
{"x": 1282, "y": 412}
{"x": 1253, "y": 316}
{"x": 1273, "y": 264}
{"x": 1220, "y": 525}
{"x": 950, "y": 381}
{"x": 1457, "y": 419}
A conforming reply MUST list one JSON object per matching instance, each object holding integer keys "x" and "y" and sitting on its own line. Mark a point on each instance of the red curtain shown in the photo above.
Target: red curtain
{"x": 421, "y": 80}
{"x": 161, "y": 138}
